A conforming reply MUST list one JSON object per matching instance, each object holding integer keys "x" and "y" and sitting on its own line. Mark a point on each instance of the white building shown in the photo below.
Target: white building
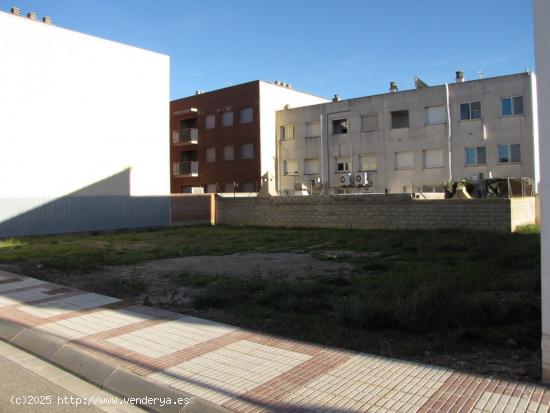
{"x": 412, "y": 140}
{"x": 83, "y": 123}
{"x": 542, "y": 43}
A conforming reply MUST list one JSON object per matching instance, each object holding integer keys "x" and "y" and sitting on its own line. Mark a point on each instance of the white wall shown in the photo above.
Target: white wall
{"x": 75, "y": 110}
{"x": 272, "y": 99}
{"x": 80, "y": 116}
{"x": 542, "y": 43}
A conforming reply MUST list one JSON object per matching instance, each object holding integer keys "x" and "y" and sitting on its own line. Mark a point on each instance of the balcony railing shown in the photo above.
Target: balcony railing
{"x": 186, "y": 168}
{"x": 185, "y": 136}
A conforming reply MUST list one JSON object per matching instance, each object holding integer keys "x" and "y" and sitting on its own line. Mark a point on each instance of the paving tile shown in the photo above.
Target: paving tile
{"x": 67, "y": 305}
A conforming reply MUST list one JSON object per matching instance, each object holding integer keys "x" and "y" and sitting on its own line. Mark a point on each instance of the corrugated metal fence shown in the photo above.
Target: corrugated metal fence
{"x": 38, "y": 216}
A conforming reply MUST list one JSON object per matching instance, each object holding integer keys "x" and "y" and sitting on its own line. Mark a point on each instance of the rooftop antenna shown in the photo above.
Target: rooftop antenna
{"x": 479, "y": 74}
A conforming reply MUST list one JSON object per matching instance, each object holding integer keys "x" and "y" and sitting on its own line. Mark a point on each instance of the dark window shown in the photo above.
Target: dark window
{"x": 470, "y": 110}
{"x": 400, "y": 119}
{"x": 339, "y": 126}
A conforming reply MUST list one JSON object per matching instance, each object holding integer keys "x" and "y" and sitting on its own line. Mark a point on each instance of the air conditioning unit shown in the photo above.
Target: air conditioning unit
{"x": 485, "y": 175}
{"x": 362, "y": 179}
{"x": 343, "y": 180}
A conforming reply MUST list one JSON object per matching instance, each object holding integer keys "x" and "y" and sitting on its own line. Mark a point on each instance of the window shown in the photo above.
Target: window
{"x": 247, "y": 151}
{"x": 227, "y": 118}
{"x": 433, "y": 158}
{"x": 369, "y": 122}
{"x": 313, "y": 130}
{"x": 436, "y": 115}
{"x": 432, "y": 188}
{"x": 227, "y": 153}
{"x": 210, "y": 122}
{"x": 247, "y": 187}
{"x": 229, "y": 187}
{"x": 343, "y": 164}
{"x": 291, "y": 167}
{"x": 404, "y": 160}
{"x": 211, "y": 188}
{"x": 511, "y": 106}
{"x": 246, "y": 115}
{"x": 311, "y": 166}
{"x": 287, "y": 132}
{"x": 339, "y": 126}
{"x": 475, "y": 156}
{"x": 470, "y": 110}
{"x": 400, "y": 119}
{"x": 368, "y": 162}
{"x": 210, "y": 154}
{"x": 509, "y": 153}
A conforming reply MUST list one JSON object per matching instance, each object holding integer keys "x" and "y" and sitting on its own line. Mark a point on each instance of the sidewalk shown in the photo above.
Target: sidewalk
{"x": 237, "y": 369}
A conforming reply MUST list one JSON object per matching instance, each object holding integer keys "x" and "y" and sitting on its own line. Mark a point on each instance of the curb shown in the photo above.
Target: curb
{"x": 115, "y": 379}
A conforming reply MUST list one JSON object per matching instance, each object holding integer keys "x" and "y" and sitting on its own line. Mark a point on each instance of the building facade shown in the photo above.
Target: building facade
{"x": 410, "y": 141}
{"x": 81, "y": 147}
{"x": 224, "y": 140}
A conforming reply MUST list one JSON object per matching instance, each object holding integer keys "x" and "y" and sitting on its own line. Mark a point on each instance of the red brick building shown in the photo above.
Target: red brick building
{"x": 224, "y": 140}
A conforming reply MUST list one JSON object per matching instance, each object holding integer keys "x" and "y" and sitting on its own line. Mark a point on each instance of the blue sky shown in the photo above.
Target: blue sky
{"x": 353, "y": 48}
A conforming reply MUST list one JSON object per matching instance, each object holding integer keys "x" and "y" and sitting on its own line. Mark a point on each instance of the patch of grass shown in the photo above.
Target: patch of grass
{"x": 426, "y": 290}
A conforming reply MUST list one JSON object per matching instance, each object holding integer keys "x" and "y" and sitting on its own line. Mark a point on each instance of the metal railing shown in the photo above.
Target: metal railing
{"x": 186, "y": 168}
{"x": 185, "y": 136}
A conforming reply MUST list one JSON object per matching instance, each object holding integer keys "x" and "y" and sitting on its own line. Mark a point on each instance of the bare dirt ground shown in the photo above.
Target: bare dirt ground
{"x": 156, "y": 283}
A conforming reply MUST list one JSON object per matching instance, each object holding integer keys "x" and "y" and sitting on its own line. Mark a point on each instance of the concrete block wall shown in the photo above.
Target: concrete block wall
{"x": 523, "y": 211}
{"x": 192, "y": 209}
{"x": 392, "y": 211}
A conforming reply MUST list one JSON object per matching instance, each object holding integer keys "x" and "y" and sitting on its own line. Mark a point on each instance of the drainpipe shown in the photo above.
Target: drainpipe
{"x": 449, "y": 130}
{"x": 321, "y": 155}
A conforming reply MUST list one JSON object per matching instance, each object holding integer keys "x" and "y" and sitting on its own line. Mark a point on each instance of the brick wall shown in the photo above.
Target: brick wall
{"x": 192, "y": 209}
{"x": 394, "y": 211}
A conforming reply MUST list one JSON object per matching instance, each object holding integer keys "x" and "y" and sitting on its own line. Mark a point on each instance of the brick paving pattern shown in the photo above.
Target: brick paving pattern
{"x": 250, "y": 372}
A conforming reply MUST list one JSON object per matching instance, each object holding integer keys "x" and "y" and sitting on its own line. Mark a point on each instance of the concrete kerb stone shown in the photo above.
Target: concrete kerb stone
{"x": 9, "y": 329}
{"x": 117, "y": 380}
{"x": 38, "y": 343}
{"x": 82, "y": 364}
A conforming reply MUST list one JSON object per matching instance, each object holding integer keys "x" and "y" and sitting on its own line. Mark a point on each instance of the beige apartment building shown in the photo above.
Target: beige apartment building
{"x": 412, "y": 140}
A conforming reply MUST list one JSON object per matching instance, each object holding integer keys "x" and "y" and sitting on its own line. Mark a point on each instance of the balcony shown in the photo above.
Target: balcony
{"x": 186, "y": 136}
{"x": 187, "y": 168}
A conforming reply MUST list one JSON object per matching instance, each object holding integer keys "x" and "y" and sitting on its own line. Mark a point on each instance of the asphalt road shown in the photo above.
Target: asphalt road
{"x": 29, "y": 384}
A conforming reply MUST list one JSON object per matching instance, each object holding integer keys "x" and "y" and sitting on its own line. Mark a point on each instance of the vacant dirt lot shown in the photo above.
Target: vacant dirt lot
{"x": 470, "y": 301}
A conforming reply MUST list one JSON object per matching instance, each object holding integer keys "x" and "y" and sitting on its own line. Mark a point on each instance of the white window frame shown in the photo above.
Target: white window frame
{"x": 509, "y": 146}
{"x": 470, "y": 105}
{"x": 346, "y": 161}
{"x": 476, "y": 155}
{"x": 512, "y": 105}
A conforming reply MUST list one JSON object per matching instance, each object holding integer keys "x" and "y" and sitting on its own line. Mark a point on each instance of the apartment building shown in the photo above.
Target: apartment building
{"x": 412, "y": 140}
{"x": 224, "y": 140}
